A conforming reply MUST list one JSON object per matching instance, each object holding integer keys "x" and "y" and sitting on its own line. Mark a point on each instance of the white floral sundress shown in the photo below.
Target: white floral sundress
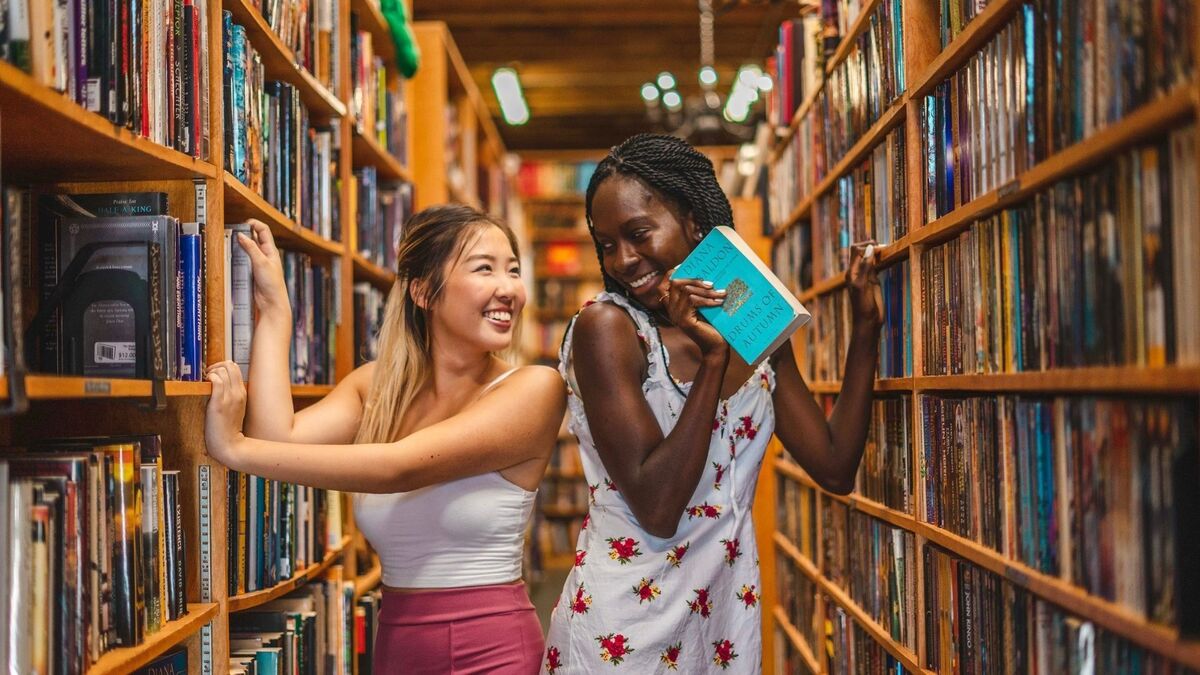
{"x": 640, "y": 604}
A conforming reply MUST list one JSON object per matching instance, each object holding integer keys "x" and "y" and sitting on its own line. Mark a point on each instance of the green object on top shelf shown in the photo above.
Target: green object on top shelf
{"x": 408, "y": 55}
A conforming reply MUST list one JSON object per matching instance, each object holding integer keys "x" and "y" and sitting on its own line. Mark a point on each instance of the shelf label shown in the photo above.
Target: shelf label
{"x": 204, "y": 486}
{"x": 97, "y": 387}
{"x": 1011, "y": 187}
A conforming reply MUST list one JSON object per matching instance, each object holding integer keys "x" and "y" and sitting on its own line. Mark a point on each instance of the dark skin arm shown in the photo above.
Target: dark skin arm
{"x": 657, "y": 474}
{"x": 830, "y": 451}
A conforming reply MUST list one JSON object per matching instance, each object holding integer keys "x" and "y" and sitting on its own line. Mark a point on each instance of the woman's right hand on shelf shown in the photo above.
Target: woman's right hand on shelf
{"x": 270, "y": 290}
{"x": 681, "y": 298}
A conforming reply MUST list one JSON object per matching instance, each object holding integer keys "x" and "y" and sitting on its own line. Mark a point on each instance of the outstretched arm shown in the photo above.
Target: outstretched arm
{"x": 515, "y": 422}
{"x": 830, "y": 451}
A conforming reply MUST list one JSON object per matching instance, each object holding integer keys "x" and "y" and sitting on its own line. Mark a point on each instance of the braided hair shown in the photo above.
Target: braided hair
{"x": 677, "y": 172}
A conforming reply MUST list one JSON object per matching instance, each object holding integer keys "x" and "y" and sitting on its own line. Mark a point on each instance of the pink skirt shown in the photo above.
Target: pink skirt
{"x": 485, "y": 629}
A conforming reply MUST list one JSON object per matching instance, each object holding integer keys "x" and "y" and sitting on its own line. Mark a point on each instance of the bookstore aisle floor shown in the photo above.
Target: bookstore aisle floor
{"x": 1024, "y": 170}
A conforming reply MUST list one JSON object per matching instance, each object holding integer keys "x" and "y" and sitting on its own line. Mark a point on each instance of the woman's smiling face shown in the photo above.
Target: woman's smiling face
{"x": 641, "y": 236}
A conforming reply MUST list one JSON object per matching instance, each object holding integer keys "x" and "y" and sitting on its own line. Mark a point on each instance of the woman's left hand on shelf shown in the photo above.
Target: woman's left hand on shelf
{"x": 226, "y": 410}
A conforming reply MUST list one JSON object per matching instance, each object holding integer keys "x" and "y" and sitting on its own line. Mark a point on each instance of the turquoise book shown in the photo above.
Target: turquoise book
{"x": 759, "y": 313}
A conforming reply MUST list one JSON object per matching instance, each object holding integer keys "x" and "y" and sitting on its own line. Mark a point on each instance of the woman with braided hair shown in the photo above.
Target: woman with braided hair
{"x": 672, "y": 429}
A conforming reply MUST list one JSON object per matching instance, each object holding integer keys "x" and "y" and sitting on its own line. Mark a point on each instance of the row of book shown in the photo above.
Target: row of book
{"x": 885, "y": 473}
{"x": 868, "y": 203}
{"x": 851, "y": 650}
{"x": 980, "y": 127}
{"x": 797, "y": 67}
{"x": 93, "y": 554}
{"x": 119, "y": 283}
{"x": 796, "y": 513}
{"x": 955, "y": 15}
{"x": 383, "y": 208}
{"x": 563, "y": 500}
{"x": 546, "y": 337}
{"x": 564, "y": 296}
{"x": 378, "y": 108}
{"x": 271, "y": 145}
{"x": 142, "y": 64}
{"x": 979, "y": 622}
{"x": 369, "y": 305}
{"x": 791, "y": 257}
{"x": 1097, "y": 491}
{"x": 313, "y": 629}
{"x": 792, "y": 177}
{"x": 797, "y": 595}
{"x": 1095, "y": 271}
{"x": 310, "y": 29}
{"x": 276, "y": 530}
{"x": 861, "y": 88}
{"x": 554, "y": 179}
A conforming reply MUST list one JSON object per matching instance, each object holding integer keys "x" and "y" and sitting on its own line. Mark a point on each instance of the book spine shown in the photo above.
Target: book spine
{"x": 191, "y": 364}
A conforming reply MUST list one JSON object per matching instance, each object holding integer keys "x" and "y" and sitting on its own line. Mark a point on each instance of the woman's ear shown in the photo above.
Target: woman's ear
{"x": 693, "y": 229}
{"x": 419, "y": 290}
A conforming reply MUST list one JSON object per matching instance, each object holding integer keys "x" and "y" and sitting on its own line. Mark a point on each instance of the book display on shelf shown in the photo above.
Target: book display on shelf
{"x": 1035, "y": 410}
{"x": 181, "y": 120}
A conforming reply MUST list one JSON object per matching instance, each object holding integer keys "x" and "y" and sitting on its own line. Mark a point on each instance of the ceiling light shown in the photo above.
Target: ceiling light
{"x": 666, "y": 81}
{"x": 672, "y": 100}
{"x": 507, "y": 86}
{"x": 649, "y": 92}
{"x": 765, "y": 83}
{"x": 708, "y": 75}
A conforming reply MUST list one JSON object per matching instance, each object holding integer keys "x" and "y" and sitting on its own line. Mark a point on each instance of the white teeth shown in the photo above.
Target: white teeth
{"x": 498, "y": 316}
{"x": 642, "y": 281}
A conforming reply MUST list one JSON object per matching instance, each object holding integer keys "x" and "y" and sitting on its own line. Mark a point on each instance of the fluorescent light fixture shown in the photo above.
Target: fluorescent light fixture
{"x": 743, "y": 94}
{"x": 507, "y": 86}
{"x": 666, "y": 81}
{"x": 765, "y": 83}
{"x": 649, "y": 92}
{"x": 708, "y": 75}
{"x": 672, "y": 100}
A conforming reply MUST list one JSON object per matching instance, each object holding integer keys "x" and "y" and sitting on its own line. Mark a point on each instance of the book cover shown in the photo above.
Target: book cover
{"x": 174, "y": 662}
{"x": 759, "y": 313}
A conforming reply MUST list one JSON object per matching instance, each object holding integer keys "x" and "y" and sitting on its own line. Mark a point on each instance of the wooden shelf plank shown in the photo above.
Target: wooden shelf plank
{"x": 459, "y": 195}
{"x": 368, "y": 581}
{"x": 905, "y": 521}
{"x": 884, "y": 384}
{"x": 279, "y": 63}
{"x": 367, "y": 151}
{"x": 794, "y": 125}
{"x": 850, "y": 39}
{"x": 311, "y": 390}
{"x": 56, "y": 387}
{"x": 561, "y": 561}
{"x": 552, "y": 511}
{"x": 974, "y": 36}
{"x": 129, "y": 659}
{"x": 1112, "y": 616}
{"x": 1131, "y": 379}
{"x": 839, "y": 596}
{"x": 857, "y": 153}
{"x": 237, "y": 603}
{"x": 365, "y": 270}
{"x": 797, "y": 640}
{"x": 46, "y": 137}
{"x": 242, "y": 203}
{"x": 802, "y": 212}
{"x": 1150, "y": 120}
{"x": 371, "y": 19}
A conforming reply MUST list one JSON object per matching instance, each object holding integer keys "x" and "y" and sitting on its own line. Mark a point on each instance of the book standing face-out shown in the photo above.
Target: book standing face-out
{"x": 759, "y": 313}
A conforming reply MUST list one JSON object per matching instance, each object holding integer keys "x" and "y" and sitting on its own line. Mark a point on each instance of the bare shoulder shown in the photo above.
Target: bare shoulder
{"x": 360, "y": 379}
{"x": 606, "y": 330}
{"x": 534, "y": 380}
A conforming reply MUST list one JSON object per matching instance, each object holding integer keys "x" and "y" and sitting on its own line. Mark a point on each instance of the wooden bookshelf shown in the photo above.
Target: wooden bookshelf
{"x": 242, "y": 203}
{"x": 371, "y": 19}
{"x": 368, "y": 152}
{"x": 129, "y": 659}
{"x": 797, "y": 640}
{"x": 311, "y": 390}
{"x": 281, "y": 64}
{"x": 927, "y": 64}
{"x": 364, "y": 583}
{"x": 237, "y": 603}
{"x": 85, "y": 144}
{"x": 365, "y": 270}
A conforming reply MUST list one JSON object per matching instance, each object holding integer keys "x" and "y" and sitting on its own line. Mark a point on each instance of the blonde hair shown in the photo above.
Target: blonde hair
{"x": 433, "y": 240}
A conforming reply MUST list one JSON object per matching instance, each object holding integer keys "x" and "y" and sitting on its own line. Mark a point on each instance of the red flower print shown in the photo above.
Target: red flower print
{"x": 702, "y": 605}
{"x": 582, "y": 602}
{"x": 553, "y": 660}
{"x": 646, "y": 591}
{"x": 720, "y": 474}
{"x": 612, "y": 487}
{"x": 624, "y": 549}
{"x": 733, "y": 550}
{"x": 675, "y": 555}
{"x": 764, "y": 381}
{"x": 579, "y": 556}
{"x": 748, "y": 595}
{"x": 670, "y": 655}
{"x": 592, "y": 492}
{"x": 613, "y": 648}
{"x": 723, "y": 653}
{"x": 747, "y": 428}
{"x": 587, "y": 518}
{"x": 704, "y": 510}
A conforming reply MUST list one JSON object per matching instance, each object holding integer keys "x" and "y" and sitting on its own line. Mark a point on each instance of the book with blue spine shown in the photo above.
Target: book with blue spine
{"x": 759, "y": 313}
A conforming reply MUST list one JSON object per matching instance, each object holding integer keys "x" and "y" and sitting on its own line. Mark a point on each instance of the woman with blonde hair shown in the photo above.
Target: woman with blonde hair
{"x": 442, "y": 440}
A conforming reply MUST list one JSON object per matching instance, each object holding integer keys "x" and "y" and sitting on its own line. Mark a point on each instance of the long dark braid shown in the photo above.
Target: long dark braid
{"x": 680, "y": 174}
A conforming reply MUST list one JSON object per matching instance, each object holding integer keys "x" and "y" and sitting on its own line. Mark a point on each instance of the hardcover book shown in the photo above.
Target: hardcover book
{"x": 759, "y": 313}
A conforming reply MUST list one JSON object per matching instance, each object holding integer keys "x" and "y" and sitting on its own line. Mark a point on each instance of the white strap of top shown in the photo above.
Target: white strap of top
{"x": 497, "y": 381}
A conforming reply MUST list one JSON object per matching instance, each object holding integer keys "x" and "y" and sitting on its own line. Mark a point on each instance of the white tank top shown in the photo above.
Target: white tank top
{"x": 465, "y": 532}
